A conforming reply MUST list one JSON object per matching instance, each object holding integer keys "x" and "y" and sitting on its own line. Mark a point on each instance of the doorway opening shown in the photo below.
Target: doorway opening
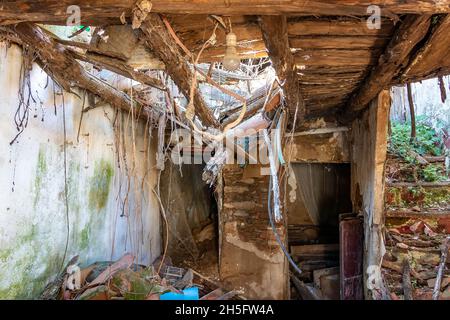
{"x": 322, "y": 201}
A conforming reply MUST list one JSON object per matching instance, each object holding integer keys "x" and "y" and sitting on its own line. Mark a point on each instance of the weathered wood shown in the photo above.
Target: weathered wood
{"x": 327, "y": 91}
{"x": 341, "y": 42}
{"x": 165, "y": 48}
{"x": 254, "y": 107}
{"x": 410, "y": 32}
{"x": 334, "y": 57}
{"x": 59, "y": 63}
{"x": 336, "y": 27}
{"x": 433, "y": 59}
{"x": 253, "y": 49}
{"x": 96, "y": 12}
{"x": 118, "y": 67}
{"x": 274, "y": 31}
{"x": 89, "y": 48}
{"x": 326, "y": 78}
{"x": 368, "y": 152}
{"x": 331, "y": 71}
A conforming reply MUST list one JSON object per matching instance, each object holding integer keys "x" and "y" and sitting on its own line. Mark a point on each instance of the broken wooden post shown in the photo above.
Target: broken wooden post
{"x": 369, "y": 147}
{"x": 159, "y": 40}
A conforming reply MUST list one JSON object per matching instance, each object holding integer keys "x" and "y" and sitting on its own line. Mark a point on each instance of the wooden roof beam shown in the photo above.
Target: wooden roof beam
{"x": 433, "y": 59}
{"x": 410, "y": 32}
{"x": 94, "y": 12}
{"x": 275, "y": 35}
{"x": 62, "y": 66}
{"x": 162, "y": 44}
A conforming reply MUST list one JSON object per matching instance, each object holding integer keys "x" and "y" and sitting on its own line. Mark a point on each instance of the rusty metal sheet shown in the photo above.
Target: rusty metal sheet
{"x": 351, "y": 234}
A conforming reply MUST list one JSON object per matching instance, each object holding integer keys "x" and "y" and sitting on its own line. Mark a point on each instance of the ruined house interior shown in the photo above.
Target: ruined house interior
{"x": 98, "y": 98}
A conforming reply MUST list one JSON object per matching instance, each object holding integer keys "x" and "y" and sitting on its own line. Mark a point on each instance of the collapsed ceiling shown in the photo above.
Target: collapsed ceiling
{"x": 328, "y": 59}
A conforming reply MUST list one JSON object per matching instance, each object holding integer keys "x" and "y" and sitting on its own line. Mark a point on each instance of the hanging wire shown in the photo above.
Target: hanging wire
{"x": 272, "y": 224}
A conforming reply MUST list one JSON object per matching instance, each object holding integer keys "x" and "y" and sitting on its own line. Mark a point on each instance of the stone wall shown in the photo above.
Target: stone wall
{"x": 250, "y": 257}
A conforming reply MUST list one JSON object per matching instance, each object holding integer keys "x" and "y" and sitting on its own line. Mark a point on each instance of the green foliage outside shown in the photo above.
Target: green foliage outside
{"x": 428, "y": 142}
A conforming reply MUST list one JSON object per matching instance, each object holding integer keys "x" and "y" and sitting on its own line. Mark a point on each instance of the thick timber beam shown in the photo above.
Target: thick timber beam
{"x": 161, "y": 43}
{"x": 60, "y": 64}
{"x": 99, "y": 11}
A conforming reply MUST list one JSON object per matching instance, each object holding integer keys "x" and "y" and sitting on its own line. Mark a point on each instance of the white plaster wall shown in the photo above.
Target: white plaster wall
{"x": 33, "y": 226}
{"x": 427, "y": 102}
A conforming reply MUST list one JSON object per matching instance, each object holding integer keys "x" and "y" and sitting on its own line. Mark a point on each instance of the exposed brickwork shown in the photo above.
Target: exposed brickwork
{"x": 250, "y": 252}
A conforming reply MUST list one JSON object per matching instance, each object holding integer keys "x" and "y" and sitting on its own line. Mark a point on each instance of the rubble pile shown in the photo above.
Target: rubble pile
{"x": 125, "y": 280}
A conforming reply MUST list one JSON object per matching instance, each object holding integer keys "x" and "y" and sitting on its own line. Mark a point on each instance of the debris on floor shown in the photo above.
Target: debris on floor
{"x": 416, "y": 248}
{"x": 125, "y": 280}
{"x": 320, "y": 271}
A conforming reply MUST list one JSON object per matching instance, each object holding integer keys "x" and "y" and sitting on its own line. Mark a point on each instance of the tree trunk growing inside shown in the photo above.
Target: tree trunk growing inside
{"x": 411, "y": 112}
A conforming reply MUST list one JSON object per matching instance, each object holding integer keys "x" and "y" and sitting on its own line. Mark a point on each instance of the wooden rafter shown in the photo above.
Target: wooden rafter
{"x": 274, "y": 32}
{"x": 167, "y": 50}
{"x": 62, "y": 66}
{"x": 98, "y": 12}
{"x": 119, "y": 67}
{"x": 433, "y": 59}
{"x": 411, "y": 31}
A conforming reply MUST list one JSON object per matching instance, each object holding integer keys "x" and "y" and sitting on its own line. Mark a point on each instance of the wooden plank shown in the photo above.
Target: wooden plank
{"x": 330, "y": 70}
{"x": 326, "y": 78}
{"x": 332, "y": 57}
{"x": 167, "y": 50}
{"x": 336, "y": 27}
{"x": 410, "y": 32}
{"x": 317, "y": 89}
{"x": 118, "y": 67}
{"x": 96, "y": 12}
{"x": 337, "y": 42}
{"x": 253, "y": 49}
{"x": 274, "y": 31}
{"x": 433, "y": 59}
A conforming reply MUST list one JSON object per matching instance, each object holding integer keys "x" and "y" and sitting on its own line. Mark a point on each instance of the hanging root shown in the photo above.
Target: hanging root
{"x": 25, "y": 94}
